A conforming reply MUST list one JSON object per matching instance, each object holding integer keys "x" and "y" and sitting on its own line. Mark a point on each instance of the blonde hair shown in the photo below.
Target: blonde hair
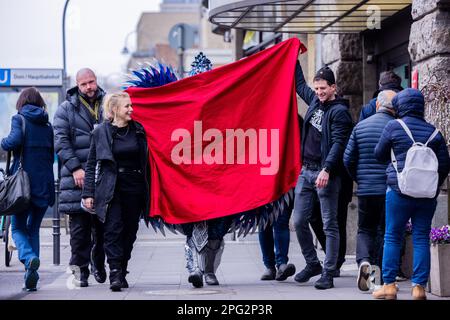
{"x": 111, "y": 102}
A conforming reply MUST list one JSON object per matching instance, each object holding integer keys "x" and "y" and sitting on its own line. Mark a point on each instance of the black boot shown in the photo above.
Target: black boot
{"x": 211, "y": 255}
{"x": 99, "y": 273}
{"x": 115, "y": 279}
{"x": 124, "y": 274}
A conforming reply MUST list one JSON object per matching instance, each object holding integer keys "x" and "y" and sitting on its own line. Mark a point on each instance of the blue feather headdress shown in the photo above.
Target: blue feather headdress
{"x": 150, "y": 77}
{"x": 201, "y": 64}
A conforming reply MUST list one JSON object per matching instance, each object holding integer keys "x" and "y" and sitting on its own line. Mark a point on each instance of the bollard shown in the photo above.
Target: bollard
{"x": 56, "y": 226}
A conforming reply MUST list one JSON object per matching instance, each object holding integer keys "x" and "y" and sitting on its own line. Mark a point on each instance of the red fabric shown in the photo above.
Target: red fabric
{"x": 257, "y": 92}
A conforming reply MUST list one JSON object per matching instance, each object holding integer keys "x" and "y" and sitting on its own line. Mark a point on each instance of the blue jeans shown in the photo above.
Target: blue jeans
{"x": 276, "y": 236}
{"x": 25, "y": 232}
{"x": 306, "y": 194}
{"x": 399, "y": 209}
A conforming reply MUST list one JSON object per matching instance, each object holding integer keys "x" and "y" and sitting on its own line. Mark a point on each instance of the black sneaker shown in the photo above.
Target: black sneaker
{"x": 285, "y": 271}
{"x": 269, "y": 274}
{"x": 309, "y": 272}
{"x": 325, "y": 282}
{"x": 100, "y": 275}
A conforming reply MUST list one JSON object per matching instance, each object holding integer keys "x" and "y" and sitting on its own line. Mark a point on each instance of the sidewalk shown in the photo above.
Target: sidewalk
{"x": 157, "y": 272}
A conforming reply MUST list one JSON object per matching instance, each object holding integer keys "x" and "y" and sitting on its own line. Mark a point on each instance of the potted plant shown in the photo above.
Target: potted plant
{"x": 440, "y": 261}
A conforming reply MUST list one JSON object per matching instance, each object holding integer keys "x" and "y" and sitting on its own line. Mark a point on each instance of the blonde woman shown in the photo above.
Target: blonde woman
{"x": 117, "y": 182}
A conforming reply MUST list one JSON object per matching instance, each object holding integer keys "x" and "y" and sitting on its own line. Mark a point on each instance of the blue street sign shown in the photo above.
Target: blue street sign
{"x": 5, "y": 77}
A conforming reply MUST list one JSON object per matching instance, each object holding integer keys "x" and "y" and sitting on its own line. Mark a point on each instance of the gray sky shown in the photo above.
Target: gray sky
{"x": 31, "y": 33}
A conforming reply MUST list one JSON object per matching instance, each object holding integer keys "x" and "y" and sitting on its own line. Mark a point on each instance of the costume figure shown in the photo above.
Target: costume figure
{"x": 205, "y": 239}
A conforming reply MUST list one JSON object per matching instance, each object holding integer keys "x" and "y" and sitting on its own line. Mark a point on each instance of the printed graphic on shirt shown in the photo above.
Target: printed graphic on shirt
{"x": 316, "y": 119}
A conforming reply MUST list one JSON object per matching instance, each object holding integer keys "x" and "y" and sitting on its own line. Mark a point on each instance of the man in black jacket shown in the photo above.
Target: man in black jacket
{"x": 73, "y": 122}
{"x": 327, "y": 126}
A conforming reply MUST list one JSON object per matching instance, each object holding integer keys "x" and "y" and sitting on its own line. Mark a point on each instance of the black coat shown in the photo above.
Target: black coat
{"x": 336, "y": 124}
{"x": 72, "y": 125}
{"x": 101, "y": 168}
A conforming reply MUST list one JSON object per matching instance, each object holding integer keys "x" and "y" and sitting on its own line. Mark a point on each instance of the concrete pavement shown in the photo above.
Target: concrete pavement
{"x": 157, "y": 272}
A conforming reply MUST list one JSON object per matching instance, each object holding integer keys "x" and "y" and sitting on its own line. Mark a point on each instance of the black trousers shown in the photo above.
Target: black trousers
{"x": 86, "y": 240}
{"x": 371, "y": 225}
{"x": 317, "y": 226}
{"x": 121, "y": 226}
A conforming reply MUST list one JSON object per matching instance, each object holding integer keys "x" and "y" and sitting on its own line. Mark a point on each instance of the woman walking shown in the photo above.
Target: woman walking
{"x": 31, "y": 139}
{"x": 397, "y": 137}
{"x": 117, "y": 182}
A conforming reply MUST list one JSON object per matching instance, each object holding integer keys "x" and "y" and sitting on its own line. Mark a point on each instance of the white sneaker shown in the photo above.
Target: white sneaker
{"x": 364, "y": 271}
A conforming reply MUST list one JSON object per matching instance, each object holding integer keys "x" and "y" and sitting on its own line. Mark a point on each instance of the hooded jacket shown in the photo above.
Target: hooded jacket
{"x": 409, "y": 106}
{"x": 336, "y": 124}
{"x": 73, "y": 125}
{"x": 38, "y": 153}
{"x": 371, "y": 108}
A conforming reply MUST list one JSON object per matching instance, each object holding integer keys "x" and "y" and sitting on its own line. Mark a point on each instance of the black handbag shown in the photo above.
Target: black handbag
{"x": 15, "y": 195}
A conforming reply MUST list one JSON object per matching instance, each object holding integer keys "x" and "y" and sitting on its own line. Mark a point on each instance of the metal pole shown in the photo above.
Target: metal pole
{"x": 56, "y": 226}
{"x": 181, "y": 49}
{"x": 64, "y": 45}
{"x": 56, "y": 219}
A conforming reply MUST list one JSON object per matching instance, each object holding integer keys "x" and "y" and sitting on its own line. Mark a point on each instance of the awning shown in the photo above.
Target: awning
{"x": 303, "y": 16}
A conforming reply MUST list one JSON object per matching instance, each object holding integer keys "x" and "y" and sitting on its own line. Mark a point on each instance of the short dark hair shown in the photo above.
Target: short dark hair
{"x": 389, "y": 78}
{"x": 317, "y": 78}
{"x": 30, "y": 96}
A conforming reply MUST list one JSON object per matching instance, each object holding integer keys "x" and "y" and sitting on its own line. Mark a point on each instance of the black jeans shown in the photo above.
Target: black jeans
{"x": 121, "y": 226}
{"x": 86, "y": 240}
{"x": 371, "y": 225}
{"x": 317, "y": 226}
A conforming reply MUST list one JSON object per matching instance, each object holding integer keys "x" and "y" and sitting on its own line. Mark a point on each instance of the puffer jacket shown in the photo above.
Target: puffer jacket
{"x": 73, "y": 125}
{"x": 368, "y": 110}
{"x": 359, "y": 158}
{"x": 409, "y": 106}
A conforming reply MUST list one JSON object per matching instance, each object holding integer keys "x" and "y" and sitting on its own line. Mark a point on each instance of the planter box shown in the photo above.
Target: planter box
{"x": 440, "y": 270}
{"x": 406, "y": 262}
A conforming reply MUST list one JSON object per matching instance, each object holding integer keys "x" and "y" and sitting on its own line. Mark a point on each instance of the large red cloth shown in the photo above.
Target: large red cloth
{"x": 205, "y": 177}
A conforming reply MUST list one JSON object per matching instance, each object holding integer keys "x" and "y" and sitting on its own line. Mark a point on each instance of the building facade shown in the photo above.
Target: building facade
{"x": 358, "y": 40}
